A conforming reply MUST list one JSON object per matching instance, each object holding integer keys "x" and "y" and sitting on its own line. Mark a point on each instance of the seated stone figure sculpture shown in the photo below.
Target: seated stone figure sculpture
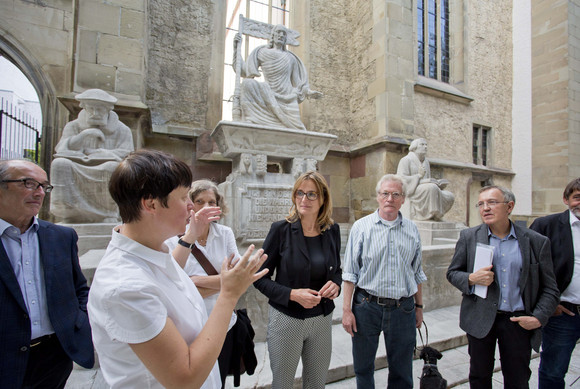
{"x": 275, "y": 101}
{"x": 425, "y": 195}
{"x": 89, "y": 150}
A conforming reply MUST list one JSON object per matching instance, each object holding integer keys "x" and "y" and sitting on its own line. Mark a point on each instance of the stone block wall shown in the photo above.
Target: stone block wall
{"x": 185, "y": 65}
{"x": 555, "y": 107}
{"x": 44, "y": 33}
{"x": 110, "y": 47}
{"x": 165, "y": 59}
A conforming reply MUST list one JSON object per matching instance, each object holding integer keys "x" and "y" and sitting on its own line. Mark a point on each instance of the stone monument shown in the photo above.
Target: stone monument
{"x": 89, "y": 150}
{"x": 426, "y": 200}
{"x": 273, "y": 102}
{"x": 267, "y": 142}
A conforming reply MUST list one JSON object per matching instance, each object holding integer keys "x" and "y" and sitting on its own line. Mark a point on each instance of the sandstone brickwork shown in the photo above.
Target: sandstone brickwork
{"x": 163, "y": 61}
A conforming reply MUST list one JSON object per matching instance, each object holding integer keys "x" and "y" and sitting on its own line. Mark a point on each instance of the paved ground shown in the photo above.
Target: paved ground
{"x": 444, "y": 334}
{"x": 454, "y": 368}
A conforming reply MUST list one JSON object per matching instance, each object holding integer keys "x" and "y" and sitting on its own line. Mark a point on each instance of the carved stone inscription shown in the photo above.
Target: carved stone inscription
{"x": 265, "y": 205}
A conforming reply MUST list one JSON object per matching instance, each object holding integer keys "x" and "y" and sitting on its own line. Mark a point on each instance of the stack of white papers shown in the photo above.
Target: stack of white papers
{"x": 483, "y": 258}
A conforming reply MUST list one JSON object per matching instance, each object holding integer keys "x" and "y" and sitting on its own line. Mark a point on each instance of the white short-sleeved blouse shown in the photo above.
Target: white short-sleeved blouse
{"x": 220, "y": 244}
{"x": 134, "y": 291}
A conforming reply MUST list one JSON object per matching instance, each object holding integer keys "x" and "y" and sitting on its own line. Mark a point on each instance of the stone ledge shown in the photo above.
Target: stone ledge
{"x": 437, "y": 88}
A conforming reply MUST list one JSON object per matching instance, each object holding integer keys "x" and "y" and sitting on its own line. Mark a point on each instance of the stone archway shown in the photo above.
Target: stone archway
{"x": 15, "y": 52}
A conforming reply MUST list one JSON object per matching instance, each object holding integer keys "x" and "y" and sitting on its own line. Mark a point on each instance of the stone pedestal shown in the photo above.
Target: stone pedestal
{"x": 438, "y": 233}
{"x": 265, "y": 164}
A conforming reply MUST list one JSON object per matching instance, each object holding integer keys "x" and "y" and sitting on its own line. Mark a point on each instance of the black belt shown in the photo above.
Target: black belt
{"x": 385, "y": 301}
{"x": 571, "y": 306}
{"x": 510, "y": 313}
{"x": 43, "y": 339}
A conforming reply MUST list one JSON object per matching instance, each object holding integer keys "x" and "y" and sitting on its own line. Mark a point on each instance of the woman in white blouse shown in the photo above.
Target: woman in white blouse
{"x": 217, "y": 243}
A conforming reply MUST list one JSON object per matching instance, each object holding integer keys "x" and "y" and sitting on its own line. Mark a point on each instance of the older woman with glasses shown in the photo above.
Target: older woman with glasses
{"x": 216, "y": 243}
{"x": 304, "y": 250}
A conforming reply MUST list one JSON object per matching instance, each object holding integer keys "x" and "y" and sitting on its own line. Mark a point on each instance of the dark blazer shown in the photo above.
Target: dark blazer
{"x": 557, "y": 228}
{"x": 537, "y": 282}
{"x": 66, "y": 293}
{"x": 288, "y": 255}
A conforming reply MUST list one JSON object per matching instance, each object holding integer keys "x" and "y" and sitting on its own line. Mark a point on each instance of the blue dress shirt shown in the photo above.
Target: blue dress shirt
{"x": 24, "y": 254}
{"x": 507, "y": 262}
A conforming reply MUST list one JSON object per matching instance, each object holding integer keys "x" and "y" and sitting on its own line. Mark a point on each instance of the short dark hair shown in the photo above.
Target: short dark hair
{"x": 571, "y": 187}
{"x": 146, "y": 174}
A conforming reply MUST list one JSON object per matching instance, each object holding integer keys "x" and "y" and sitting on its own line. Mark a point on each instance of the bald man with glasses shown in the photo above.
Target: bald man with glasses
{"x": 43, "y": 294}
{"x": 521, "y": 291}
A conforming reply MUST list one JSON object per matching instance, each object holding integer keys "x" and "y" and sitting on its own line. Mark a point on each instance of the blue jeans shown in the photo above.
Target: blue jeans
{"x": 397, "y": 323}
{"x": 559, "y": 337}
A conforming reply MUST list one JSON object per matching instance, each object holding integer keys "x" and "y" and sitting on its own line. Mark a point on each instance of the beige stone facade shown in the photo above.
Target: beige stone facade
{"x": 555, "y": 101}
{"x": 163, "y": 61}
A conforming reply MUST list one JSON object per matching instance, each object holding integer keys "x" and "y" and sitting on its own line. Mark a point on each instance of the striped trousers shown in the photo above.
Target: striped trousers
{"x": 289, "y": 339}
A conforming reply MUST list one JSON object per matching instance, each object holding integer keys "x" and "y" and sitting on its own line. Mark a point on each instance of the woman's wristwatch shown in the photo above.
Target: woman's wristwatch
{"x": 419, "y": 306}
{"x": 185, "y": 244}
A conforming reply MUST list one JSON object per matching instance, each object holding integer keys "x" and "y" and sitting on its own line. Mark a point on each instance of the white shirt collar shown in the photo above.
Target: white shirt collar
{"x": 161, "y": 259}
{"x": 573, "y": 219}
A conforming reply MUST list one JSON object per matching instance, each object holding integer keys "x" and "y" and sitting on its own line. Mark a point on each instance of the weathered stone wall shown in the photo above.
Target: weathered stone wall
{"x": 45, "y": 33}
{"x": 110, "y": 47}
{"x": 447, "y": 124}
{"x": 555, "y": 110}
{"x": 38, "y": 38}
{"x": 164, "y": 59}
{"x": 574, "y": 89}
{"x": 183, "y": 41}
{"x": 334, "y": 44}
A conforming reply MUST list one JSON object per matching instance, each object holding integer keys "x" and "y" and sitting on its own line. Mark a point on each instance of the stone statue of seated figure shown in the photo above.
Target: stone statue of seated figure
{"x": 275, "y": 101}
{"x": 426, "y": 196}
{"x": 89, "y": 150}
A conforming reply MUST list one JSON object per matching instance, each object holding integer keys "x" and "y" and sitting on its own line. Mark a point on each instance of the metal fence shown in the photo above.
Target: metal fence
{"x": 19, "y": 134}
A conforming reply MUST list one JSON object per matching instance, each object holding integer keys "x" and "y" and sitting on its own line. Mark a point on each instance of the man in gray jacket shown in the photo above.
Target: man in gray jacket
{"x": 521, "y": 291}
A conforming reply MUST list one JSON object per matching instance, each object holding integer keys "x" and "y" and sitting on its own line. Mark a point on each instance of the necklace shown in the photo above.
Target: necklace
{"x": 202, "y": 241}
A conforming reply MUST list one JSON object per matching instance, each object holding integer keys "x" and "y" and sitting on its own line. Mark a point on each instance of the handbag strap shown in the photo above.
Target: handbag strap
{"x": 203, "y": 261}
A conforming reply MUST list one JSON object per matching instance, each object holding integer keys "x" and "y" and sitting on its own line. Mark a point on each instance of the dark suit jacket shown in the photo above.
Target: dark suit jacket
{"x": 537, "y": 282}
{"x": 557, "y": 228}
{"x": 66, "y": 293}
{"x": 288, "y": 255}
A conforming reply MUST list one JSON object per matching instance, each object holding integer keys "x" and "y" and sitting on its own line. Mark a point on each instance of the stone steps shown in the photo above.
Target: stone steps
{"x": 93, "y": 236}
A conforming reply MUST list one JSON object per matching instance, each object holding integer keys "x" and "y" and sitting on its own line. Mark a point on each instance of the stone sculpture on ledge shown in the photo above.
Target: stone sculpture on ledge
{"x": 275, "y": 101}
{"x": 89, "y": 150}
{"x": 426, "y": 197}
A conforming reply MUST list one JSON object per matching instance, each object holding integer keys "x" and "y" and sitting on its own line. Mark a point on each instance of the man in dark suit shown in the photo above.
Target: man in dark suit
{"x": 43, "y": 294}
{"x": 521, "y": 291}
{"x": 562, "y": 332}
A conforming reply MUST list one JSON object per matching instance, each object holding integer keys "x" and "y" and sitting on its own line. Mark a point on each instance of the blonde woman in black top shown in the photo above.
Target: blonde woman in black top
{"x": 304, "y": 251}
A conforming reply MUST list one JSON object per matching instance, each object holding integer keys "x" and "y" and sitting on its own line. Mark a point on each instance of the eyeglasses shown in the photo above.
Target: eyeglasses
{"x": 490, "y": 204}
{"x": 309, "y": 195}
{"x": 32, "y": 184}
{"x": 394, "y": 195}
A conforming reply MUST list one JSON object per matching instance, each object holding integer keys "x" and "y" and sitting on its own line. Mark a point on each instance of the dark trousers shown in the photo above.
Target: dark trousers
{"x": 559, "y": 338}
{"x": 224, "y": 359}
{"x": 514, "y": 351}
{"x": 48, "y": 365}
